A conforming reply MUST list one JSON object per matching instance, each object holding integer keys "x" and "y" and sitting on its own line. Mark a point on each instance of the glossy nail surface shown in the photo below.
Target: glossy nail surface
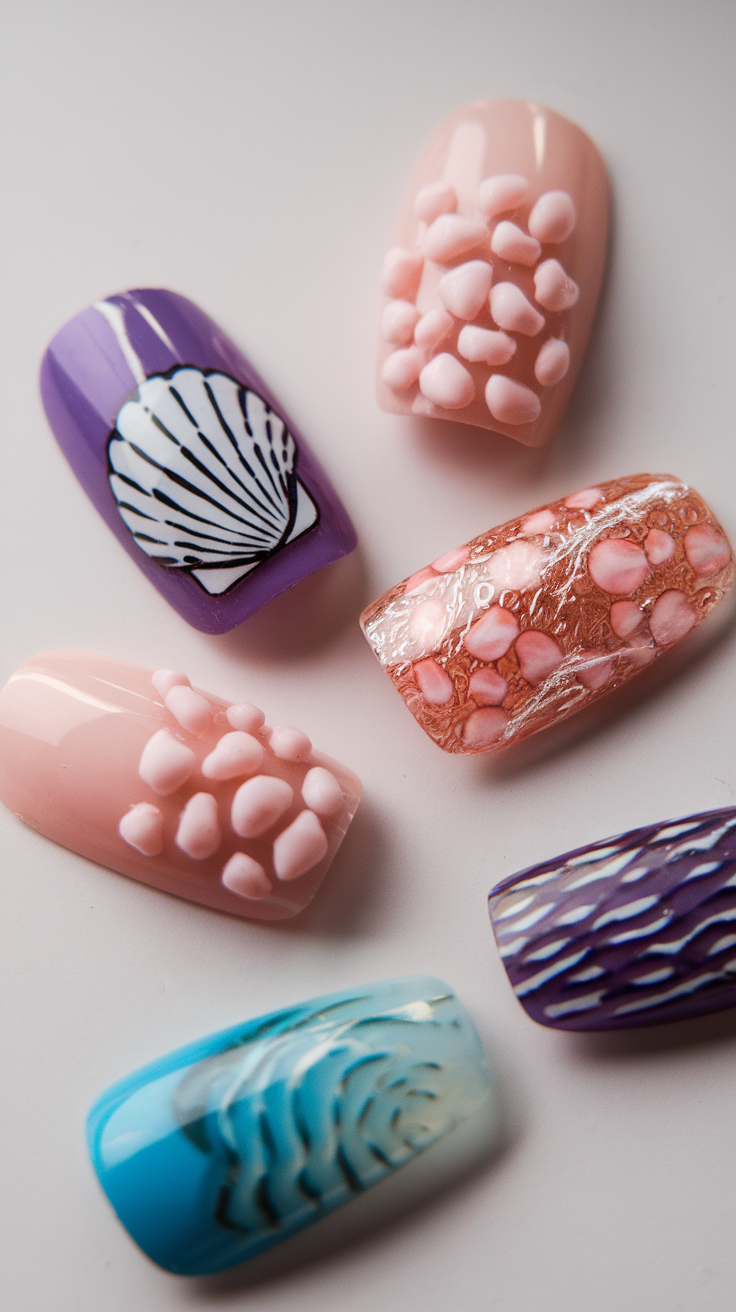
{"x": 493, "y": 276}
{"x": 188, "y": 457}
{"x": 232, "y": 1144}
{"x": 536, "y": 619}
{"x": 634, "y": 930}
{"x": 174, "y": 787}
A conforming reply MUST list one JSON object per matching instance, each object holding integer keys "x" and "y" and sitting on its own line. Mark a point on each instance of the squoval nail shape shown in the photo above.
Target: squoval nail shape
{"x": 536, "y": 619}
{"x": 494, "y": 274}
{"x": 635, "y": 930}
{"x": 171, "y": 786}
{"x": 227, "y": 1146}
{"x": 188, "y": 457}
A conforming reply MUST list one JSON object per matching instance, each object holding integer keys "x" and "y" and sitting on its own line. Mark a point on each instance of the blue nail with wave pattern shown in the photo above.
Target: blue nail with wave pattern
{"x": 221, "y": 1149}
{"x": 634, "y": 930}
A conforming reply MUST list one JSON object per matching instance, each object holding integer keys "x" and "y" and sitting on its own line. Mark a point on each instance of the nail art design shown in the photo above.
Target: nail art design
{"x": 493, "y": 278}
{"x": 634, "y": 930}
{"x": 536, "y": 619}
{"x": 171, "y": 786}
{"x": 231, "y": 1144}
{"x": 188, "y": 457}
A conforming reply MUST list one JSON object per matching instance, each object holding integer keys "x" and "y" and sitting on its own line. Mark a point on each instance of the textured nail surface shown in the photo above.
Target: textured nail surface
{"x": 231, "y": 1144}
{"x": 634, "y": 930}
{"x": 188, "y": 457}
{"x": 493, "y": 276}
{"x": 536, "y": 619}
{"x": 143, "y": 773}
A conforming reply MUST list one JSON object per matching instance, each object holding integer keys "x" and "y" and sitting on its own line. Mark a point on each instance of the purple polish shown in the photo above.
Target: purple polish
{"x": 91, "y": 368}
{"x": 636, "y": 930}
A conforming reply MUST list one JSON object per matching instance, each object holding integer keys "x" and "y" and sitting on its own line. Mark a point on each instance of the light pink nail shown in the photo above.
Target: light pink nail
{"x": 515, "y": 196}
{"x": 90, "y": 757}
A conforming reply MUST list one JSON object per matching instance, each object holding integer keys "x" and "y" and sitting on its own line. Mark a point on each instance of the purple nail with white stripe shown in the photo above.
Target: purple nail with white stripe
{"x": 188, "y": 457}
{"x": 635, "y": 930}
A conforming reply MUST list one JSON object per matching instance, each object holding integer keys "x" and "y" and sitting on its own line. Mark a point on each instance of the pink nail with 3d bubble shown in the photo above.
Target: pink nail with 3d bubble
{"x": 170, "y": 785}
{"x": 503, "y": 235}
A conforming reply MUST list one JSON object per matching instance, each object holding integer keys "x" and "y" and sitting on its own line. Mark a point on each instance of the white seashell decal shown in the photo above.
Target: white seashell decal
{"x": 203, "y": 473}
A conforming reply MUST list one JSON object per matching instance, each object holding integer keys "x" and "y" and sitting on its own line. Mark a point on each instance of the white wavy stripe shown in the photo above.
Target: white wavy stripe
{"x": 536, "y": 981}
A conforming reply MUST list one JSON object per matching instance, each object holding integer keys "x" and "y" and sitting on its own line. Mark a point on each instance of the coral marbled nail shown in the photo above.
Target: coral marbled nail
{"x": 534, "y": 620}
{"x": 494, "y": 273}
{"x": 230, "y": 1145}
{"x": 634, "y": 930}
{"x": 171, "y": 786}
{"x": 188, "y": 456}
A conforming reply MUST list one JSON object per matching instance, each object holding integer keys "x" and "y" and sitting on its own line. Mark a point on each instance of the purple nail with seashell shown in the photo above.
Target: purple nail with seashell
{"x": 188, "y": 457}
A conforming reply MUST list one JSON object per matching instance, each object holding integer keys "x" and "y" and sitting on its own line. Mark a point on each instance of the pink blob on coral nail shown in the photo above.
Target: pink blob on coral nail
{"x": 671, "y": 618}
{"x": 299, "y": 847}
{"x": 511, "y": 310}
{"x": 487, "y": 688}
{"x": 451, "y": 560}
{"x": 492, "y": 635}
{"x": 659, "y": 546}
{"x": 402, "y": 271}
{"x": 464, "y": 289}
{"x": 236, "y": 753}
{"x": 501, "y": 193}
{"x": 258, "y": 804}
{"x": 484, "y": 728}
{"x": 518, "y": 566}
{"x": 401, "y": 368}
{"x": 617, "y": 566}
{"x": 552, "y": 363}
{"x": 626, "y": 617}
{"x": 428, "y": 623}
{"x": 246, "y": 717}
{"x": 199, "y": 831}
{"x": 143, "y": 828}
{"x": 706, "y": 549}
{"x": 434, "y": 684}
{"x": 165, "y": 763}
{"x": 450, "y": 236}
{"x": 289, "y": 744}
{"x": 594, "y": 669}
{"x": 190, "y": 708}
{"x": 553, "y": 288}
{"x": 553, "y": 217}
{"x": 538, "y": 523}
{"x": 511, "y": 402}
{"x": 434, "y": 199}
{"x": 245, "y": 877}
{"x": 447, "y": 383}
{"x": 432, "y": 329}
{"x": 539, "y": 655}
{"x": 321, "y": 792}
{"x": 511, "y": 244}
{"x": 484, "y": 345}
{"x": 398, "y": 322}
{"x": 585, "y": 499}
{"x": 420, "y": 582}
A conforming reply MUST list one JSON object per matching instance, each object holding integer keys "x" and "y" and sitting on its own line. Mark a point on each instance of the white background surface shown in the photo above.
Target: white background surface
{"x": 252, "y": 156}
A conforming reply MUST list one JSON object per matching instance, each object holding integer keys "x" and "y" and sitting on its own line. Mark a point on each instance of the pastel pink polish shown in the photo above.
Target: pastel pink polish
{"x": 493, "y": 275}
{"x": 137, "y": 770}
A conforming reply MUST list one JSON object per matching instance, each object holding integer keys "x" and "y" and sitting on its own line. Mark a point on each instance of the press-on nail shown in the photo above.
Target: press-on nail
{"x": 221, "y": 815}
{"x": 557, "y": 607}
{"x": 510, "y": 197}
{"x": 189, "y": 458}
{"x": 233, "y": 1143}
{"x": 634, "y": 930}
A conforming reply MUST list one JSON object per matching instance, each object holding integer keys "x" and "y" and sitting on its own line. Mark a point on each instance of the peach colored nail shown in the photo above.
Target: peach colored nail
{"x": 536, "y": 619}
{"x": 183, "y": 792}
{"x": 508, "y": 197}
